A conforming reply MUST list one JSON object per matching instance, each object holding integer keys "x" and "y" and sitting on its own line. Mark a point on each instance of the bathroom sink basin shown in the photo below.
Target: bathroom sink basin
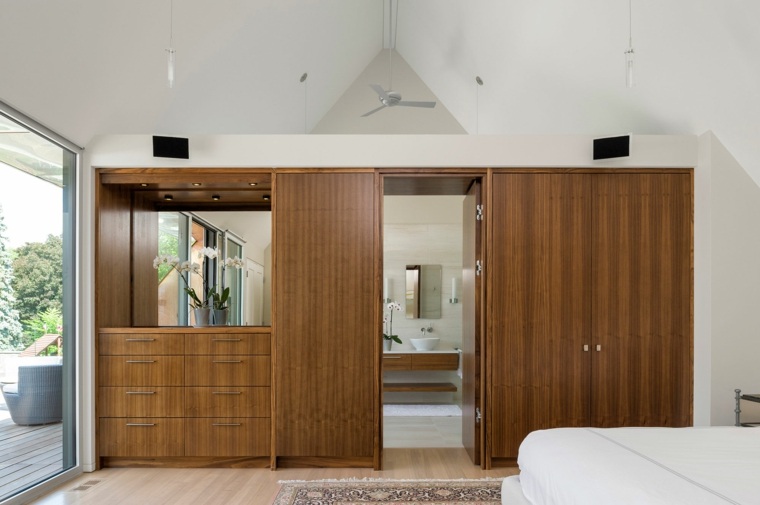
{"x": 425, "y": 344}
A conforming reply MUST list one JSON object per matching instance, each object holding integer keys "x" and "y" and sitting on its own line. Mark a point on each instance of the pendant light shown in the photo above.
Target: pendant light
{"x": 629, "y": 82}
{"x": 170, "y": 51}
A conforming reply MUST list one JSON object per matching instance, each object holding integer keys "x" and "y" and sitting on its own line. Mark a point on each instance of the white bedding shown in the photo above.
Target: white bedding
{"x": 647, "y": 466}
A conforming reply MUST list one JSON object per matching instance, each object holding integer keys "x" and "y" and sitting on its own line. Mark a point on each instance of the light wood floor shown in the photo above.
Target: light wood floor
{"x": 150, "y": 486}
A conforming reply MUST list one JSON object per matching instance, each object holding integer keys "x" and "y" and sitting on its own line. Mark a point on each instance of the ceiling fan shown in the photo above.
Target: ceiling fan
{"x": 389, "y": 98}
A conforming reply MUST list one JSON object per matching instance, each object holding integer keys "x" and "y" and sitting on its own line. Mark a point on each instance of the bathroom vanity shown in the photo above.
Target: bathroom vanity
{"x": 420, "y": 361}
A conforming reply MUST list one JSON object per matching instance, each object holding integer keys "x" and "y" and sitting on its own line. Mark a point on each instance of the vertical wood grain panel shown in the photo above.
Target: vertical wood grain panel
{"x": 642, "y": 281}
{"x": 471, "y": 321}
{"x": 324, "y": 310}
{"x": 113, "y": 235}
{"x": 144, "y": 276}
{"x": 540, "y": 306}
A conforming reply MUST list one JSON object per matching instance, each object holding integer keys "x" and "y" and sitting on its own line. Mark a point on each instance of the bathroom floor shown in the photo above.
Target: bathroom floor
{"x": 440, "y": 430}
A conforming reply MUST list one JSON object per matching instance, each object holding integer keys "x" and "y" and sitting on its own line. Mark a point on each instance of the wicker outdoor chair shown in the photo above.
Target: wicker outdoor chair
{"x": 37, "y": 397}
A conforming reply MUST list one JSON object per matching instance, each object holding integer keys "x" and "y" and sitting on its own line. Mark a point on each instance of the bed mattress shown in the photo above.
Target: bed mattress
{"x": 647, "y": 466}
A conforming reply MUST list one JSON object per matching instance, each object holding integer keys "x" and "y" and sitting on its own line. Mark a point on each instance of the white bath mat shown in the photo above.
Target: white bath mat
{"x": 422, "y": 410}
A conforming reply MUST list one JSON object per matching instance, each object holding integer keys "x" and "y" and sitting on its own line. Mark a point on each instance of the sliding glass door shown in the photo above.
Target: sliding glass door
{"x": 38, "y": 306}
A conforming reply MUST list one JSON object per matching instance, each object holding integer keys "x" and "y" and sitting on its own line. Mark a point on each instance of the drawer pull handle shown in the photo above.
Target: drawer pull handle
{"x": 141, "y": 424}
{"x": 141, "y": 392}
{"x": 141, "y": 340}
{"x": 141, "y": 361}
{"x": 391, "y": 357}
{"x": 228, "y": 361}
{"x": 226, "y": 392}
{"x": 226, "y": 340}
{"x": 225, "y": 424}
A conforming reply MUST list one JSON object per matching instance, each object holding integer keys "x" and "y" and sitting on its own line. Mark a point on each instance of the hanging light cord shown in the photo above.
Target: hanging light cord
{"x": 630, "y": 26}
{"x": 170, "y": 50}
{"x": 171, "y": 22}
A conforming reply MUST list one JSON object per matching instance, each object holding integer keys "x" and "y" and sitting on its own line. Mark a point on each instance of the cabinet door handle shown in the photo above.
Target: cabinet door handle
{"x": 226, "y": 392}
{"x": 227, "y": 361}
{"x": 141, "y": 392}
{"x": 141, "y": 340}
{"x": 225, "y": 424}
{"x": 141, "y": 424}
{"x": 598, "y": 347}
{"x": 141, "y": 361}
{"x": 585, "y": 347}
{"x": 226, "y": 339}
{"x": 391, "y": 357}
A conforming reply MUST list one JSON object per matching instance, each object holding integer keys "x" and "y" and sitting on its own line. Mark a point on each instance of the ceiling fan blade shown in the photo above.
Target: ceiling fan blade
{"x": 406, "y": 103}
{"x": 373, "y": 111}
{"x": 380, "y": 91}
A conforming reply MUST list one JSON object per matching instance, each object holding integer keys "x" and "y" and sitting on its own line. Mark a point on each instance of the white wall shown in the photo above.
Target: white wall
{"x": 735, "y": 304}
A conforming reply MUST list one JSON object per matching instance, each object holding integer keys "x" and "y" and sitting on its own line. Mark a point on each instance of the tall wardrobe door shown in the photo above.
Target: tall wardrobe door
{"x": 539, "y": 306}
{"x": 642, "y": 298}
{"x": 324, "y": 315}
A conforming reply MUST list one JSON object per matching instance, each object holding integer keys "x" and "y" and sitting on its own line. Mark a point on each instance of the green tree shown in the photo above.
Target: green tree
{"x": 38, "y": 279}
{"x": 49, "y": 321}
{"x": 10, "y": 327}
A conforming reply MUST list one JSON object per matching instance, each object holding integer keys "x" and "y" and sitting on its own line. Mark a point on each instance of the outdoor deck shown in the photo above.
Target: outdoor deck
{"x": 28, "y": 454}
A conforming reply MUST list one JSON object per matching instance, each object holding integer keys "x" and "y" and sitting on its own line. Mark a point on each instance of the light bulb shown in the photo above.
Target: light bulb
{"x": 171, "y": 52}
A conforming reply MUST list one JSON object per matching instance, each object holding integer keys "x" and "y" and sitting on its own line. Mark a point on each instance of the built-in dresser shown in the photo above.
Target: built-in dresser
{"x": 184, "y": 396}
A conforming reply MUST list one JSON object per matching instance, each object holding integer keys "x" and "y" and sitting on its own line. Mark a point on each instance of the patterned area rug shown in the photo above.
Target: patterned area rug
{"x": 370, "y": 492}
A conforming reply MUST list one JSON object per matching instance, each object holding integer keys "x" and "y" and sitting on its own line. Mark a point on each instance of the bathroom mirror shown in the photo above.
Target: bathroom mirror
{"x": 423, "y": 291}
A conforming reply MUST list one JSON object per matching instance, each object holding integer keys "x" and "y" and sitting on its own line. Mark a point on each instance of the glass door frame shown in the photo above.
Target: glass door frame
{"x": 73, "y": 436}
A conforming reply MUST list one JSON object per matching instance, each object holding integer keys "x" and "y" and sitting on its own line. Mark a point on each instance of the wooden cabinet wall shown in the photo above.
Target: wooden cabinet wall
{"x": 184, "y": 396}
{"x": 326, "y": 298}
{"x": 590, "y": 303}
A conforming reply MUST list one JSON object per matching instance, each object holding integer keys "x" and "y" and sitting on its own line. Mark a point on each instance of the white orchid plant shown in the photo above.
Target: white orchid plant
{"x": 212, "y": 299}
{"x": 388, "y": 322}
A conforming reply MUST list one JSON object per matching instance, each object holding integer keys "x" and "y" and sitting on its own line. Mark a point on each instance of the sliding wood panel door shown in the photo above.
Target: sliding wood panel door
{"x": 539, "y": 306}
{"x": 326, "y": 339}
{"x": 642, "y": 299}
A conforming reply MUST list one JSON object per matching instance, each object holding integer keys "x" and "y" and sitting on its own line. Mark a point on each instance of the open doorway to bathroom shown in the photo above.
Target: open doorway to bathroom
{"x": 429, "y": 299}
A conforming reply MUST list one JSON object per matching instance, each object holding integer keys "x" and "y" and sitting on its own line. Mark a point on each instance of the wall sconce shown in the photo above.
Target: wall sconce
{"x": 453, "y": 298}
{"x": 387, "y": 289}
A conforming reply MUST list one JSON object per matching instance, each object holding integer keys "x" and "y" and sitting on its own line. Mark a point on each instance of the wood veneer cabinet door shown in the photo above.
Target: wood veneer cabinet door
{"x": 540, "y": 306}
{"x": 642, "y": 292}
{"x": 324, "y": 315}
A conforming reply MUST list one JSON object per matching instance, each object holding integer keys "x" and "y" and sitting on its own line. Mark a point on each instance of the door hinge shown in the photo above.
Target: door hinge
{"x": 478, "y": 416}
{"x": 479, "y": 212}
{"x": 478, "y": 267}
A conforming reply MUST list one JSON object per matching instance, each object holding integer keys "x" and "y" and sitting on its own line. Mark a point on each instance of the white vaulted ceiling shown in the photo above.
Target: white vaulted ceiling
{"x": 90, "y": 67}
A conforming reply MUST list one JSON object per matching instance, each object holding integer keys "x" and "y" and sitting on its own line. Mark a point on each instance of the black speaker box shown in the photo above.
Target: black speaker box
{"x": 612, "y": 147}
{"x": 171, "y": 147}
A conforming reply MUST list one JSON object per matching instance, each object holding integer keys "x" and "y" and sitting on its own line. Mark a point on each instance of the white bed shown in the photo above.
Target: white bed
{"x": 647, "y": 466}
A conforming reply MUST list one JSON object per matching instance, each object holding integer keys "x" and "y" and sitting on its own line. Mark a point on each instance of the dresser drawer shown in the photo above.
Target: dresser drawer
{"x": 141, "y": 401}
{"x": 227, "y": 437}
{"x": 141, "y": 437}
{"x": 228, "y": 343}
{"x": 140, "y": 343}
{"x": 397, "y": 362}
{"x": 228, "y": 401}
{"x": 140, "y": 370}
{"x": 227, "y": 371}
